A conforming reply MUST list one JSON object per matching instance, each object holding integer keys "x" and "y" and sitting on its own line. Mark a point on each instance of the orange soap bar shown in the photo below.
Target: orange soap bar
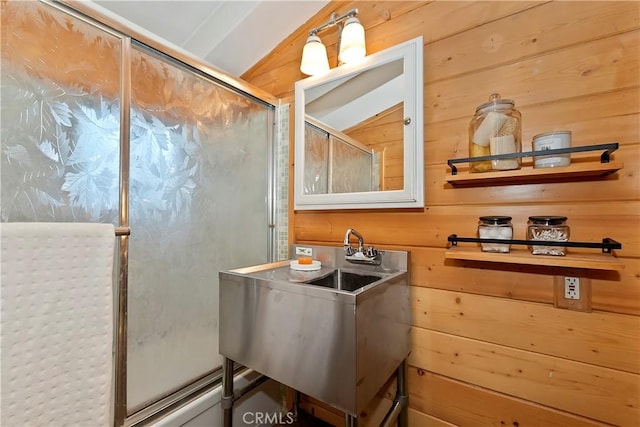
{"x": 304, "y": 260}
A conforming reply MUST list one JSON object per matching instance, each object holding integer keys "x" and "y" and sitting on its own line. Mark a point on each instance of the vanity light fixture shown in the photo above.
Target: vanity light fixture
{"x": 351, "y": 44}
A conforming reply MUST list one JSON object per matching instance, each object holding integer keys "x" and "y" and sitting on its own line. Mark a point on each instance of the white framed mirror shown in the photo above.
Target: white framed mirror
{"x": 359, "y": 133}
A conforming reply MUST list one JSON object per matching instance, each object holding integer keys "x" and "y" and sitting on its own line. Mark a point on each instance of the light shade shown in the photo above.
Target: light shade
{"x": 352, "y": 46}
{"x": 314, "y": 57}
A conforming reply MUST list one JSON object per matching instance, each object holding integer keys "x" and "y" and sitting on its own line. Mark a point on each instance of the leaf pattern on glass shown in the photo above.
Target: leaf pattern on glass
{"x": 60, "y": 152}
{"x": 18, "y": 154}
{"x": 89, "y": 188}
{"x": 61, "y": 127}
{"x": 97, "y": 135}
{"x": 47, "y": 149}
{"x": 36, "y": 105}
{"x": 60, "y": 140}
{"x": 162, "y": 167}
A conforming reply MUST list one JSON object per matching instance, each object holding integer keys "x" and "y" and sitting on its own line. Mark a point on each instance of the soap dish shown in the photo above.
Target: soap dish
{"x": 315, "y": 265}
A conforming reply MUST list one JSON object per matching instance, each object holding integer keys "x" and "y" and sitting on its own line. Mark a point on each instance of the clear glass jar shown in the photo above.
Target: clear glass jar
{"x": 496, "y": 128}
{"x": 495, "y": 227}
{"x": 550, "y": 228}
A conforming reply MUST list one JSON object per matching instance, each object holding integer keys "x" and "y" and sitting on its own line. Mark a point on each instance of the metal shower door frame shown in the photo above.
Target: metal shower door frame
{"x": 87, "y": 13}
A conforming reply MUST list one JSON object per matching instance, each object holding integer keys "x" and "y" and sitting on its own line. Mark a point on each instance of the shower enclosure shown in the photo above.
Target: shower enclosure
{"x": 98, "y": 126}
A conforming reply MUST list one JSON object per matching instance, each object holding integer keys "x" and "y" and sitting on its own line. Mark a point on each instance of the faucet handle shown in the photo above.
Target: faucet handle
{"x": 371, "y": 252}
{"x": 350, "y": 250}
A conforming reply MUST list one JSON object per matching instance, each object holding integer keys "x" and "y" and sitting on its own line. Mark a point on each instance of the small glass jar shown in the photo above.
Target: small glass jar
{"x": 495, "y": 227}
{"x": 550, "y": 228}
{"x": 552, "y": 141}
{"x": 496, "y": 128}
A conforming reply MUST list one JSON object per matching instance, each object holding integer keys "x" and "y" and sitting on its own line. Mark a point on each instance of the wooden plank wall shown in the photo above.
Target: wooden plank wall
{"x": 489, "y": 348}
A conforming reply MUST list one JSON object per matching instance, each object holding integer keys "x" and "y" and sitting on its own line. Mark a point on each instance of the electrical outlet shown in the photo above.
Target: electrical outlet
{"x": 571, "y": 287}
{"x": 572, "y": 292}
{"x": 301, "y": 250}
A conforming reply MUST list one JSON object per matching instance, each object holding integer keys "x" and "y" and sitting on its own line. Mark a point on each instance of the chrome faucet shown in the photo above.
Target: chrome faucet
{"x": 347, "y": 246}
{"x": 361, "y": 255}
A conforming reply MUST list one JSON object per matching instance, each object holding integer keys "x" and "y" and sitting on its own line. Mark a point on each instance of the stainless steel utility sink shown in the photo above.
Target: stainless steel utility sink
{"x": 344, "y": 280}
{"x": 336, "y": 334}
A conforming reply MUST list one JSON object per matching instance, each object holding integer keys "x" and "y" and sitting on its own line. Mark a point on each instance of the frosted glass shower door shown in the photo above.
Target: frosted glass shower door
{"x": 198, "y": 205}
{"x": 60, "y": 137}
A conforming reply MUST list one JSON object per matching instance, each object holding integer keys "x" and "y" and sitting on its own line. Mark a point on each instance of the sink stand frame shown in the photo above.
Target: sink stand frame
{"x": 399, "y": 408}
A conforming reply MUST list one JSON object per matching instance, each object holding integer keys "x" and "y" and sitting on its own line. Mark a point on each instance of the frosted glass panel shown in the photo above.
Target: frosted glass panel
{"x": 351, "y": 168}
{"x": 198, "y": 205}
{"x": 333, "y": 165}
{"x": 316, "y": 160}
{"x": 60, "y": 117}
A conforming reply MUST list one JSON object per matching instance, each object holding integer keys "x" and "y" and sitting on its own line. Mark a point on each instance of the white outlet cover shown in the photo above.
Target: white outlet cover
{"x": 304, "y": 251}
{"x": 572, "y": 288}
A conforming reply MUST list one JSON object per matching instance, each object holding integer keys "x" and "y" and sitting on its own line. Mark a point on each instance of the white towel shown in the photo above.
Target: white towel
{"x": 57, "y": 324}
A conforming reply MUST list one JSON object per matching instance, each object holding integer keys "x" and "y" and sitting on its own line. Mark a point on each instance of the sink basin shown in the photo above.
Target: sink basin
{"x": 344, "y": 280}
{"x": 336, "y": 334}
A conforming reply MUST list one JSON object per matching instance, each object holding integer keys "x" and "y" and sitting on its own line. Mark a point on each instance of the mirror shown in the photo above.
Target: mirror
{"x": 358, "y": 133}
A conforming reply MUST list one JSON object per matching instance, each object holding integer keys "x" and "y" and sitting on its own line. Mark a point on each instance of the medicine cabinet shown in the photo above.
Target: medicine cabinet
{"x": 358, "y": 133}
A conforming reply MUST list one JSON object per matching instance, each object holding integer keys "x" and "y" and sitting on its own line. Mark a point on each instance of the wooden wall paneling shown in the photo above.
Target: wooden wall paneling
{"x": 375, "y": 413}
{"x": 324, "y": 413}
{"x": 417, "y": 418}
{"x": 603, "y": 339}
{"x": 605, "y": 395}
{"x": 380, "y": 405}
{"x": 548, "y": 27}
{"x": 598, "y": 66}
{"x": 588, "y": 222}
{"x": 426, "y": 20}
{"x": 386, "y": 23}
{"x": 580, "y": 73}
{"x": 621, "y": 296}
{"x": 429, "y": 269}
{"x": 467, "y": 405}
{"x": 321, "y": 411}
{"x": 611, "y": 291}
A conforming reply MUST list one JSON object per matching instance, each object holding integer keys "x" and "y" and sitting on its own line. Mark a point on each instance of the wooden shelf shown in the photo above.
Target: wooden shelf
{"x": 530, "y": 174}
{"x": 581, "y": 168}
{"x": 598, "y": 261}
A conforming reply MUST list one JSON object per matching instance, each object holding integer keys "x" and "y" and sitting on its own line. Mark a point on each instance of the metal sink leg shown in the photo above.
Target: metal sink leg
{"x": 400, "y": 407}
{"x": 402, "y": 395}
{"x": 226, "y": 402}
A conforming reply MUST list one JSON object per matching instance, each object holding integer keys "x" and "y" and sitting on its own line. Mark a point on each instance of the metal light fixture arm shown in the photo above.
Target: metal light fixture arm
{"x": 333, "y": 21}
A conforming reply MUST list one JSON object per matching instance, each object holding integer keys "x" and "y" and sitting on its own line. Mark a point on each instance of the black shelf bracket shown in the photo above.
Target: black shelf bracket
{"x": 607, "y": 244}
{"x": 605, "y": 157}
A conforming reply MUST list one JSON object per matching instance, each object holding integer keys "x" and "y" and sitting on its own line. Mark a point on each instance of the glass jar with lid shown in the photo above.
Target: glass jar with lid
{"x": 496, "y": 128}
{"x": 495, "y": 227}
{"x": 549, "y": 228}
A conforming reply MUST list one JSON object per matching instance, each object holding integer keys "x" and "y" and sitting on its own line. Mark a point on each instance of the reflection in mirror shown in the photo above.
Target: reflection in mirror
{"x": 335, "y": 163}
{"x": 358, "y": 107}
{"x": 353, "y": 147}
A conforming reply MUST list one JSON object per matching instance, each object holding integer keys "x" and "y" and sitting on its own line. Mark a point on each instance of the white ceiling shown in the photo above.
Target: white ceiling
{"x": 232, "y": 35}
